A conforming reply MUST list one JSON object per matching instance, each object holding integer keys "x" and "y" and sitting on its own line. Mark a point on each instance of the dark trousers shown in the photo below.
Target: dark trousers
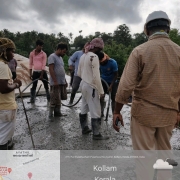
{"x": 76, "y": 84}
{"x": 114, "y": 89}
{"x": 72, "y": 76}
{"x": 37, "y": 75}
{"x": 14, "y": 75}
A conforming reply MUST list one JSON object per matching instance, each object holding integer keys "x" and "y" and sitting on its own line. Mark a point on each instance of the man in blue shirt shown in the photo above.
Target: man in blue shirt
{"x": 109, "y": 73}
{"x": 73, "y": 64}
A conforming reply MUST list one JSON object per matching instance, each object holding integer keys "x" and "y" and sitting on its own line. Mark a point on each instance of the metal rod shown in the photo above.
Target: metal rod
{"x": 27, "y": 118}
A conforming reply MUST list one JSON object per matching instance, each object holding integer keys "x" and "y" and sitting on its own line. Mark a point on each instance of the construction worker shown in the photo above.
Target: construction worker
{"x": 8, "y": 105}
{"x": 91, "y": 88}
{"x": 73, "y": 66}
{"x": 57, "y": 79}
{"x": 37, "y": 61}
{"x": 109, "y": 73}
{"x": 152, "y": 73}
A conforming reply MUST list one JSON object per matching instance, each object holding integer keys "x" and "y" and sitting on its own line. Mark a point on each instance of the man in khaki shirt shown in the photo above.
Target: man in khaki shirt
{"x": 152, "y": 72}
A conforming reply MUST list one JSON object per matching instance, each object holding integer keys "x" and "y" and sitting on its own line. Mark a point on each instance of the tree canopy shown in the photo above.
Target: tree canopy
{"x": 118, "y": 45}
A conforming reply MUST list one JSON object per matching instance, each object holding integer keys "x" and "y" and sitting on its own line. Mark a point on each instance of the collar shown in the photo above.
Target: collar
{"x": 39, "y": 52}
{"x": 2, "y": 60}
{"x": 158, "y": 35}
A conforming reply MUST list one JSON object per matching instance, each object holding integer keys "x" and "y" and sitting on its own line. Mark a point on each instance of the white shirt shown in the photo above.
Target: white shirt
{"x": 88, "y": 71}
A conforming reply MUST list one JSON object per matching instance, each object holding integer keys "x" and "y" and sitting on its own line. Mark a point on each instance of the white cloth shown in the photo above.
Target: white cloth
{"x": 88, "y": 71}
{"x": 89, "y": 103}
{"x": 7, "y": 125}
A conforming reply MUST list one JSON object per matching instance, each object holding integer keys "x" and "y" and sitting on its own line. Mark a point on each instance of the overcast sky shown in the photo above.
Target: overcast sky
{"x": 53, "y": 16}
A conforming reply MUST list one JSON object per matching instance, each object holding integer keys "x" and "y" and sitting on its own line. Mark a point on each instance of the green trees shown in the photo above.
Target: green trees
{"x": 118, "y": 45}
{"x": 174, "y": 34}
{"x": 118, "y": 52}
{"x": 122, "y": 35}
{"x": 139, "y": 38}
{"x": 79, "y": 42}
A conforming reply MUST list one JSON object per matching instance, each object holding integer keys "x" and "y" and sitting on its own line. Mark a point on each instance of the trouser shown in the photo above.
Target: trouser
{"x": 150, "y": 139}
{"x": 55, "y": 93}
{"x": 90, "y": 100}
{"x": 14, "y": 75}
{"x": 7, "y": 125}
{"x": 113, "y": 93}
{"x": 75, "y": 84}
{"x": 72, "y": 77}
{"x": 37, "y": 75}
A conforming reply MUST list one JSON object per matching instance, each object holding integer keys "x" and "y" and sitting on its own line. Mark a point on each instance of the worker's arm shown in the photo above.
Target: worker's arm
{"x": 177, "y": 125}
{"x": 113, "y": 81}
{"x": 80, "y": 67}
{"x": 30, "y": 65}
{"x": 6, "y": 87}
{"x": 52, "y": 74}
{"x": 6, "y": 83}
{"x": 96, "y": 74}
{"x": 115, "y": 71}
{"x": 127, "y": 84}
{"x": 43, "y": 65}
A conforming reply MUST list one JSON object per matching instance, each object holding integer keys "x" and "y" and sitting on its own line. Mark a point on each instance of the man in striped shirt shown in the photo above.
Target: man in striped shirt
{"x": 152, "y": 73}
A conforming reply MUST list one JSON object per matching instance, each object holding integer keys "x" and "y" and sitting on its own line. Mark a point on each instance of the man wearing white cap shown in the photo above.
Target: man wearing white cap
{"x": 153, "y": 73}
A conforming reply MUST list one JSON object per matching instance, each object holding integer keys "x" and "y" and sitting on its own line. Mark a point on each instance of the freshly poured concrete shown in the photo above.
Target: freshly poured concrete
{"x": 65, "y": 132}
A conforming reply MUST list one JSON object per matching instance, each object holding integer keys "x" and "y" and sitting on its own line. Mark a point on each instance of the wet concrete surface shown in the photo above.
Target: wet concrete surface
{"x": 64, "y": 133}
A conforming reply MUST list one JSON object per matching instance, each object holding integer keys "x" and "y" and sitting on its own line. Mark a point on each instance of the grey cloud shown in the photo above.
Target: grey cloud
{"x": 9, "y": 10}
{"x": 102, "y": 10}
{"x": 176, "y": 20}
{"x": 51, "y": 12}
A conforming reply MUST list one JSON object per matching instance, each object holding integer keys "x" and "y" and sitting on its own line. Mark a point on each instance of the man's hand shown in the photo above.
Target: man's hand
{"x": 102, "y": 96}
{"x": 30, "y": 74}
{"x": 177, "y": 125}
{"x": 41, "y": 77}
{"x": 56, "y": 83}
{"x": 115, "y": 116}
{"x": 71, "y": 68}
{"x": 110, "y": 88}
{"x": 18, "y": 81}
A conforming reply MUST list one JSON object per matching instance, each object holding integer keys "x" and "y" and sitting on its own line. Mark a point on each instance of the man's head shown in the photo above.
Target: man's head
{"x": 39, "y": 45}
{"x": 103, "y": 58}
{"x": 85, "y": 46}
{"x": 96, "y": 45}
{"x": 157, "y": 21}
{"x": 7, "y": 48}
{"x": 61, "y": 49}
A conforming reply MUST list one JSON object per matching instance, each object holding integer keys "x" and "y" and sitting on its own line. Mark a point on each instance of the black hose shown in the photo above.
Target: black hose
{"x": 28, "y": 86}
{"x": 79, "y": 97}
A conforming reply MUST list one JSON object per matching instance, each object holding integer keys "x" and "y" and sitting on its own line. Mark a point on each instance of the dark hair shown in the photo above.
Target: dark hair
{"x": 39, "y": 42}
{"x": 158, "y": 24}
{"x": 100, "y": 55}
{"x": 62, "y": 46}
